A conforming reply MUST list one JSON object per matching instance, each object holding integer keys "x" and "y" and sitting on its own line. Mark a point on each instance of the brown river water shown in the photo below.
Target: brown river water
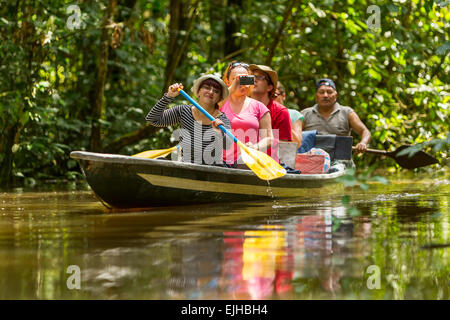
{"x": 59, "y": 242}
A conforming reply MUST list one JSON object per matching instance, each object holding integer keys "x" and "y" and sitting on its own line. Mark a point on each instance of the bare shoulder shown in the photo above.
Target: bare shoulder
{"x": 352, "y": 115}
{"x": 254, "y": 103}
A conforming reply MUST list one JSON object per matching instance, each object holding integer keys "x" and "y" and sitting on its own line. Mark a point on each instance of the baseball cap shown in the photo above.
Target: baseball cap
{"x": 325, "y": 82}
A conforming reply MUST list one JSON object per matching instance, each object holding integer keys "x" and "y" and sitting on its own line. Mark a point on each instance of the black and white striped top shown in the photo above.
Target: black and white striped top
{"x": 200, "y": 144}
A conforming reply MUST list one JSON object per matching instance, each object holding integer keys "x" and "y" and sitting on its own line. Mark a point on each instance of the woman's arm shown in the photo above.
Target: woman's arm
{"x": 297, "y": 133}
{"x": 160, "y": 117}
{"x": 265, "y": 132}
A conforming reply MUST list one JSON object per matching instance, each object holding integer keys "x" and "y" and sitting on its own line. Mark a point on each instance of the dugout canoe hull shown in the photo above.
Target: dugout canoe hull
{"x": 124, "y": 182}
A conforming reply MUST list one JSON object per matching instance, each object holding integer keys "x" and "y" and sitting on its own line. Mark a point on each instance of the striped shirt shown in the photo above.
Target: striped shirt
{"x": 199, "y": 143}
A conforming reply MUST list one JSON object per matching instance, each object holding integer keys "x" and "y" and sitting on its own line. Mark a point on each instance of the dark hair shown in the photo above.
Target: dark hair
{"x": 269, "y": 79}
{"x": 280, "y": 88}
{"x": 212, "y": 83}
{"x": 235, "y": 64}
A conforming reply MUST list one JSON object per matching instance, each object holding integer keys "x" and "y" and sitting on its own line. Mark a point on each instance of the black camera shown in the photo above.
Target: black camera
{"x": 246, "y": 80}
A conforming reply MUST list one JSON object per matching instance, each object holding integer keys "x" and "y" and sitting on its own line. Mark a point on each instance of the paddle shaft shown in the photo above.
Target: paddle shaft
{"x": 261, "y": 164}
{"x": 206, "y": 113}
{"x": 375, "y": 151}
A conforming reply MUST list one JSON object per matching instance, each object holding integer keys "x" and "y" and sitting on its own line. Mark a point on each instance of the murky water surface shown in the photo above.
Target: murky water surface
{"x": 397, "y": 248}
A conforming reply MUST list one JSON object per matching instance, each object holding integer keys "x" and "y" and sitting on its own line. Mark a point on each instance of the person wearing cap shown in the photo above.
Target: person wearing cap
{"x": 266, "y": 80}
{"x": 295, "y": 115}
{"x": 327, "y": 116}
{"x": 201, "y": 139}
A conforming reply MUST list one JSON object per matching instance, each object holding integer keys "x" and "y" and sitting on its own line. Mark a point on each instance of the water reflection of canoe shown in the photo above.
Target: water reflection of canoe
{"x": 128, "y": 182}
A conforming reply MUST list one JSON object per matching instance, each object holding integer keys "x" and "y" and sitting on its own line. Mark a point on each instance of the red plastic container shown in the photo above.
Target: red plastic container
{"x": 310, "y": 163}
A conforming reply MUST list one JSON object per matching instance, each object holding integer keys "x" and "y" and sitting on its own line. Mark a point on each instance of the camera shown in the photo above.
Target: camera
{"x": 246, "y": 80}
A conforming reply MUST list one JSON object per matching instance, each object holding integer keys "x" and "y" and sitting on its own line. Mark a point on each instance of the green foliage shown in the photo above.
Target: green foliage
{"x": 395, "y": 76}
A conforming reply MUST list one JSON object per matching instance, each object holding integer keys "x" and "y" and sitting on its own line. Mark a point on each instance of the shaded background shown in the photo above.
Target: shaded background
{"x": 81, "y": 75}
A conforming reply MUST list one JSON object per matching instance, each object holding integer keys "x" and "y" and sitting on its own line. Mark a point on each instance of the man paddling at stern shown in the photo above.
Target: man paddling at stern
{"x": 327, "y": 116}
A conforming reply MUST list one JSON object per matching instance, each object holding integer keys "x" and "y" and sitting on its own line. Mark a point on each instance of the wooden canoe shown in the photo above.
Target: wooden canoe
{"x": 124, "y": 182}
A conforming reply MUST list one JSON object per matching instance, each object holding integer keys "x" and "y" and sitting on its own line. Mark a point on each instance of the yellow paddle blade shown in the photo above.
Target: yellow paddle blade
{"x": 261, "y": 164}
{"x": 152, "y": 154}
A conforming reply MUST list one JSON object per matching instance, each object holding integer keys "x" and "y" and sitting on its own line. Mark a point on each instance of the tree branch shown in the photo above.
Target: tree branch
{"x": 130, "y": 138}
{"x": 173, "y": 65}
{"x": 229, "y": 56}
{"x": 277, "y": 34}
{"x": 95, "y": 139}
{"x": 148, "y": 130}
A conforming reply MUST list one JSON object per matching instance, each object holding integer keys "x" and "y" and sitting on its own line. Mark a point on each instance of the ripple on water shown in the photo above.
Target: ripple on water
{"x": 291, "y": 249}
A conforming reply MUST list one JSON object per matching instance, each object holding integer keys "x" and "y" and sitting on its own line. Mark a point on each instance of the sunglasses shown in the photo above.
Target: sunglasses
{"x": 236, "y": 64}
{"x": 261, "y": 78}
{"x": 209, "y": 88}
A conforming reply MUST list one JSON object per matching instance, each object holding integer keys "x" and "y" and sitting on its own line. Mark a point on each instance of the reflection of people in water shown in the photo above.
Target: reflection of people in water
{"x": 194, "y": 271}
{"x": 264, "y": 260}
{"x": 231, "y": 278}
{"x": 315, "y": 237}
{"x": 261, "y": 263}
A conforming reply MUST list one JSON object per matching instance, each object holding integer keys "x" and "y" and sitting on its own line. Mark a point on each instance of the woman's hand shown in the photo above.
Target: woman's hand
{"x": 216, "y": 123}
{"x": 234, "y": 85}
{"x": 253, "y": 146}
{"x": 173, "y": 90}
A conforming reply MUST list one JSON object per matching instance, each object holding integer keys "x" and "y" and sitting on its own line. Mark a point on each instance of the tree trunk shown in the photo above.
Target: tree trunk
{"x": 8, "y": 141}
{"x": 11, "y": 132}
{"x": 102, "y": 68}
{"x": 175, "y": 28}
{"x": 174, "y": 54}
{"x": 231, "y": 27}
{"x": 216, "y": 14}
{"x": 339, "y": 65}
{"x": 181, "y": 22}
{"x": 277, "y": 35}
{"x": 130, "y": 138}
{"x": 176, "y": 8}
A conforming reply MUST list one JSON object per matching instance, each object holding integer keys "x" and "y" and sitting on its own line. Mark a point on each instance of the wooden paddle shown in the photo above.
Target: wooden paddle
{"x": 407, "y": 161}
{"x": 260, "y": 163}
{"x": 152, "y": 154}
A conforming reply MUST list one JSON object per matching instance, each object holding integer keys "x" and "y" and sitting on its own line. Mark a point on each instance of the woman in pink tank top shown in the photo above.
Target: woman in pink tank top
{"x": 250, "y": 119}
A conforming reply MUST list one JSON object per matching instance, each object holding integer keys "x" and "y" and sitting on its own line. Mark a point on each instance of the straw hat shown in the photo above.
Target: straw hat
{"x": 197, "y": 83}
{"x": 271, "y": 73}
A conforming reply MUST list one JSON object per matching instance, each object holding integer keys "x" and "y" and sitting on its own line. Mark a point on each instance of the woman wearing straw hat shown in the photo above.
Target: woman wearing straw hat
{"x": 201, "y": 139}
